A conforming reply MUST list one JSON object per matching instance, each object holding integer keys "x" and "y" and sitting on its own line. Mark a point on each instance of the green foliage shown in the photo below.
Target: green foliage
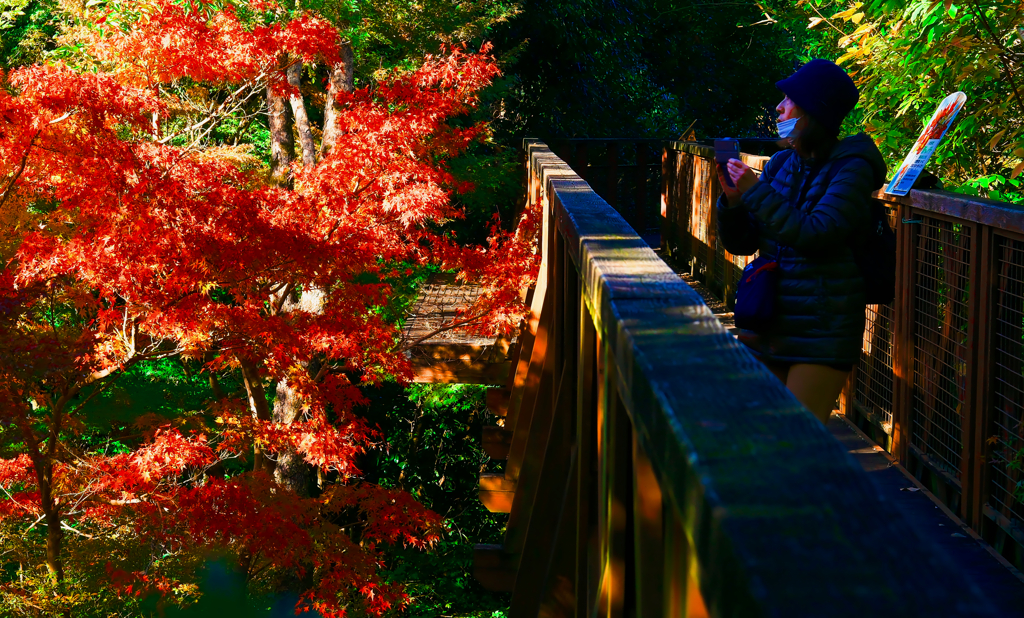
{"x": 163, "y": 387}
{"x": 433, "y": 450}
{"x": 430, "y": 446}
{"x": 388, "y": 35}
{"x": 27, "y": 30}
{"x": 495, "y": 175}
{"x": 907, "y": 57}
{"x": 646, "y": 68}
{"x": 404, "y": 279}
{"x": 119, "y": 413}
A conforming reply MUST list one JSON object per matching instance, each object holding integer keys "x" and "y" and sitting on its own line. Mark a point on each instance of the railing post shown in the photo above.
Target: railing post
{"x": 977, "y": 413}
{"x": 680, "y": 590}
{"x": 588, "y": 377}
{"x": 648, "y": 533}
{"x": 701, "y": 221}
{"x": 902, "y": 344}
{"x": 848, "y": 394}
{"x": 614, "y": 501}
{"x": 667, "y": 182}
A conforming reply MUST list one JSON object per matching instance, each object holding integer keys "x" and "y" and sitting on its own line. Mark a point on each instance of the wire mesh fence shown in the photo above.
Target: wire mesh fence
{"x": 1007, "y": 453}
{"x": 874, "y": 391}
{"x": 941, "y": 290}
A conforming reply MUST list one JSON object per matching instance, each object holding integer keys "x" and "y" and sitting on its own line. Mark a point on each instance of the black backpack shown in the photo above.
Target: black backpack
{"x": 876, "y": 258}
{"x": 876, "y": 254}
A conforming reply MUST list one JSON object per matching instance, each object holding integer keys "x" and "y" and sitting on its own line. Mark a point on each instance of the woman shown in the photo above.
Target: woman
{"x": 810, "y": 207}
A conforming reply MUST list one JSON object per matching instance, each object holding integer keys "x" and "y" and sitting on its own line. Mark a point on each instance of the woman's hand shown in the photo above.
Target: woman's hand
{"x": 742, "y": 176}
{"x": 732, "y": 194}
{"x": 742, "y": 179}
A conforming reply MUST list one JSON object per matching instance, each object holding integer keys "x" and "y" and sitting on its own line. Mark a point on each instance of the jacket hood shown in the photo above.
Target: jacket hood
{"x": 862, "y": 146}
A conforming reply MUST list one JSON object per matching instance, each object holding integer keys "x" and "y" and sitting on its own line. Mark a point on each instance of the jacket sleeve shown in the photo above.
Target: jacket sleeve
{"x": 737, "y": 228}
{"x": 843, "y": 208}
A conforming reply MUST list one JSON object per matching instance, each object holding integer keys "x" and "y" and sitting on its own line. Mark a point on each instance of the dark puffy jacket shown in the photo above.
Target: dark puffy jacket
{"x": 820, "y": 303}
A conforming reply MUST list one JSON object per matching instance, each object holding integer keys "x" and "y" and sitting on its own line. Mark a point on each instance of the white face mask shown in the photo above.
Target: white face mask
{"x": 787, "y": 128}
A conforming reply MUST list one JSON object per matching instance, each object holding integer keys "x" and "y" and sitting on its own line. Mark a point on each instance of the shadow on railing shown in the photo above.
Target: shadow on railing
{"x": 940, "y": 384}
{"x": 655, "y": 468}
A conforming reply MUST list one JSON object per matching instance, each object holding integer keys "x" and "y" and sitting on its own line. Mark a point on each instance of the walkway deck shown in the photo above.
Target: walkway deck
{"x": 998, "y": 580}
{"x": 465, "y": 354}
{"x": 1002, "y": 584}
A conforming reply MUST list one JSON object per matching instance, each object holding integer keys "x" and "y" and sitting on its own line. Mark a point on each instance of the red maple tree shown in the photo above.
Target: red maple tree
{"x": 136, "y": 242}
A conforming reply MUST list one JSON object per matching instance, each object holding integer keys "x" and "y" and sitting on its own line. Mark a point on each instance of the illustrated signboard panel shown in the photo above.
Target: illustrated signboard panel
{"x": 926, "y": 144}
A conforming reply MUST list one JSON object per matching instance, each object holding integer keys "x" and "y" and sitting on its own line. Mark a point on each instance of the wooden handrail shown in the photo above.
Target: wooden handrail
{"x": 657, "y": 469}
{"x": 631, "y": 188}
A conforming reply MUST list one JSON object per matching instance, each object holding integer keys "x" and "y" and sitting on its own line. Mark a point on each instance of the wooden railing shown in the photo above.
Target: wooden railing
{"x": 625, "y": 172}
{"x": 654, "y": 468}
{"x": 940, "y": 384}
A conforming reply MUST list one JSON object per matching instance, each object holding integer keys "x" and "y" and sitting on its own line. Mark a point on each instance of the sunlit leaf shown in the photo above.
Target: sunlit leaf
{"x": 845, "y": 15}
{"x": 995, "y": 139}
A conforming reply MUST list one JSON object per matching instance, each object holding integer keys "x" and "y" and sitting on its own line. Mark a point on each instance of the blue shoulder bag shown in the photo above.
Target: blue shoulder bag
{"x": 756, "y": 291}
{"x": 755, "y": 294}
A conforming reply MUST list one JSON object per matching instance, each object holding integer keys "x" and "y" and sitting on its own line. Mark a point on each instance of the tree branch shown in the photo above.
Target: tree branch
{"x": 439, "y": 331}
{"x": 21, "y": 169}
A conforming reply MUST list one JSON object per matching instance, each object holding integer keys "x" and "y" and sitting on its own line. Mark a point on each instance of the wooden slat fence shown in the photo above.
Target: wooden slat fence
{"x": 655, "y": 468}
{"x": 940, "y": 384}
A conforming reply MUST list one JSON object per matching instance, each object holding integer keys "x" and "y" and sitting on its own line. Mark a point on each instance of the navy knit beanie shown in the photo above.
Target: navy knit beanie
{"x": 824, "y": 91}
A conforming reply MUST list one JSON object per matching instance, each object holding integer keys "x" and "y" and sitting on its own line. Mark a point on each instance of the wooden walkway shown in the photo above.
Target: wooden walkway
{"x": 642, "y": 478}
{"x": 465, "y": 354}
{"x": 998, "y": 581}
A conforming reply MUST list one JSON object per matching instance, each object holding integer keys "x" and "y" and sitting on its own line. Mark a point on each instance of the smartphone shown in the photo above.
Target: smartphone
{"x": 725, "y": 149}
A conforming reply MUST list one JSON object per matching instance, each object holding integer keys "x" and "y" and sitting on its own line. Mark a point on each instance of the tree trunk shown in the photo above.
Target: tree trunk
{"x": 301, "y": 118}
{"x": 43, "y": 466}
{"x": 292, "y": 471}
{"x": 342, "y": 80}
{"x": 282, "y": 142}
{"x": 260, "y": 410}
{"x": 54, "y": 534}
